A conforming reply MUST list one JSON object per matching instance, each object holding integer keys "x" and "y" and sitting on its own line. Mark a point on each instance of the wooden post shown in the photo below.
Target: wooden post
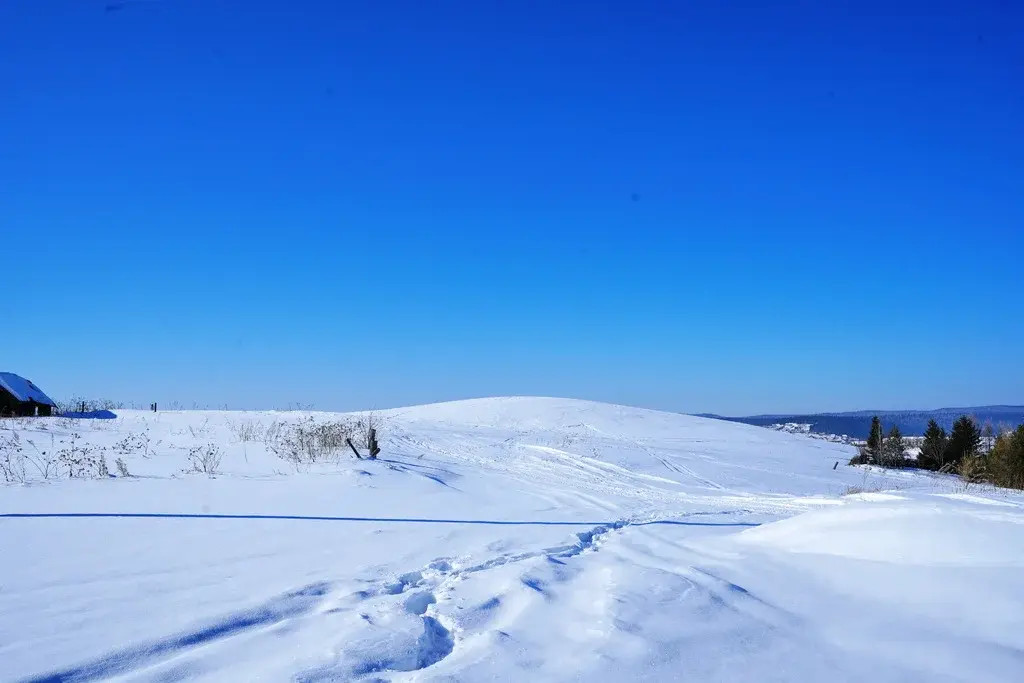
{"x": 372, "y": 443}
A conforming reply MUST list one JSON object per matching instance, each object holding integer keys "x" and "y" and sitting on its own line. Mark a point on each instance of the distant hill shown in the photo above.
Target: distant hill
{"x": 911, "y": 422}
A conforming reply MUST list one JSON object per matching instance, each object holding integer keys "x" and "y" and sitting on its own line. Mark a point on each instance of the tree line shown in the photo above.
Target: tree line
{"x": 977, "y": 454}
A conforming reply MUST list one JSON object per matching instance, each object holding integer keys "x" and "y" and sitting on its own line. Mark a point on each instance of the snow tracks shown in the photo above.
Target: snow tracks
{"x": 398, "y": 620}
{"x": 411, "y": 621}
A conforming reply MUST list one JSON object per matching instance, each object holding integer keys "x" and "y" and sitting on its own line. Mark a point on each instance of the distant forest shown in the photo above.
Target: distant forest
{"x": 911, "y": 423}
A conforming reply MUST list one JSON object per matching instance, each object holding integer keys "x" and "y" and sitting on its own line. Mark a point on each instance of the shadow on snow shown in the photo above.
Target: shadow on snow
{"x": 382, "y": 520}
{"x": 286, "y": 606}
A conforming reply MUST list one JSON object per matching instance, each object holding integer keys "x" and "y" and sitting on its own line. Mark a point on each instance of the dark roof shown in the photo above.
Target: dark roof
{"x": 23, "y": 390}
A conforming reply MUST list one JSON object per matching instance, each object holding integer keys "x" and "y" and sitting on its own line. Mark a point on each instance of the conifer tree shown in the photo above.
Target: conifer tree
{"x": 875, "y": 444}
{"x": 964, "y": 440}
{"x": 894, "y": 448}
{"x": 933, "y": 448}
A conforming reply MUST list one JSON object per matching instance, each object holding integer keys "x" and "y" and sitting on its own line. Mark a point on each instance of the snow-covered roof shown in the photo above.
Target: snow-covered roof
{"x": 23, "y": 390}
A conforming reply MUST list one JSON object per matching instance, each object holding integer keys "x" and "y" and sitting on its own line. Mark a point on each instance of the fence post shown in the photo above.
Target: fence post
{"x": 372, "y": 444}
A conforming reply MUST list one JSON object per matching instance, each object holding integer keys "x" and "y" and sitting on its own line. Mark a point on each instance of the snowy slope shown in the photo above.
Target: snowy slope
{"x": 505, "y": 539}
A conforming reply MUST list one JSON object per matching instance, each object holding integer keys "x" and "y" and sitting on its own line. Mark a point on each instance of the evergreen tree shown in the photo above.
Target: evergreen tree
{"x": 965, "y": 439}
{"x": 894, "y": 448}
{"x": 875, "y": 440}
{"x": 933, "y": 448}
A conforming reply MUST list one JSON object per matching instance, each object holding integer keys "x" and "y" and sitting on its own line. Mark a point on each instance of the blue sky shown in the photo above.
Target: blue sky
{"x": 732, "y": 207}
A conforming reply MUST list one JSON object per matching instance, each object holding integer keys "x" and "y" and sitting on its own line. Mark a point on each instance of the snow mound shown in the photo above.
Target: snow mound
{"x": 877, "y": 497}
{"x": 915, "y": 533}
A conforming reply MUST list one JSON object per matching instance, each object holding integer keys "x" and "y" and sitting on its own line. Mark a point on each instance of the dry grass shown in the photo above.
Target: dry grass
{"x": 308, "y": 441}
{"x": 254, "y": 431}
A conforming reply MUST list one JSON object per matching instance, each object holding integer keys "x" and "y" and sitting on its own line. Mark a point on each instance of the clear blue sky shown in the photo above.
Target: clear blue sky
{"x": 735, "y": 207}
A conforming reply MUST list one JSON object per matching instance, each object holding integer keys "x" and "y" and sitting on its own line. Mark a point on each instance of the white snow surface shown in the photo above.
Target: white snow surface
{"x": 506, "y": 539}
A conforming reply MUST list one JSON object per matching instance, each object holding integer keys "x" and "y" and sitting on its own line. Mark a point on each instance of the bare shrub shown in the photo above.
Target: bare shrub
{"x": 972, "y": 469}
{"x": 12, "y": 459}
{"x": 272, "y": 431}
{"x": 79, "y": 460}
{"x": 135, "y": 443}
{"x": 122, "y": 468}
{"x": 364, "y": 424}
{"x": 205, "y": 459}
{"x": 45, "y": 462}
{"x": 78, "y": 404}
{"x": 75, "y": 460}
{"x": 71, "y": 405}
{"x": 308, "y": 442}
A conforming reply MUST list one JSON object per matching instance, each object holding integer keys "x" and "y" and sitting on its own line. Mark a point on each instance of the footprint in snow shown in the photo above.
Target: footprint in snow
{"x": 417, "y": 603}
{"x": 403, "y": 583}
{"x": 441, "y": 564}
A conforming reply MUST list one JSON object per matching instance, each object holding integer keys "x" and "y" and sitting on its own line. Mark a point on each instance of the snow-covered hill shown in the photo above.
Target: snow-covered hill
{"x": 502, "y": 539}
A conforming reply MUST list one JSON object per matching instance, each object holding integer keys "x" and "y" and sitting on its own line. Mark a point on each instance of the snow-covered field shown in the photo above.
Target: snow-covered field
{"x": 514, "y": 539}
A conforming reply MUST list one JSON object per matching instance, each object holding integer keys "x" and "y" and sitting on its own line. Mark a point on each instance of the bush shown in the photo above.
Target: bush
{"x": 122, "y": 468}
{"x": 74, "y": 460}
{"x": 308, "y": 442}
{"x": 364, "y": 425}
{"x": 134, "y": 443}
{"x": 81, "y": 460}
{"x": 205, "y": 459}
{"x": 45, "y": 462}
{"x": 12, "y": 459}
{"x": 972, "y": 469}
{"x": 1006, "y": 459}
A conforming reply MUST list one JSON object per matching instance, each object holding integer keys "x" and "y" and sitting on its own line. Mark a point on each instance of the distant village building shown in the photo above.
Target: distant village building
{"x": 19, "y": 397}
